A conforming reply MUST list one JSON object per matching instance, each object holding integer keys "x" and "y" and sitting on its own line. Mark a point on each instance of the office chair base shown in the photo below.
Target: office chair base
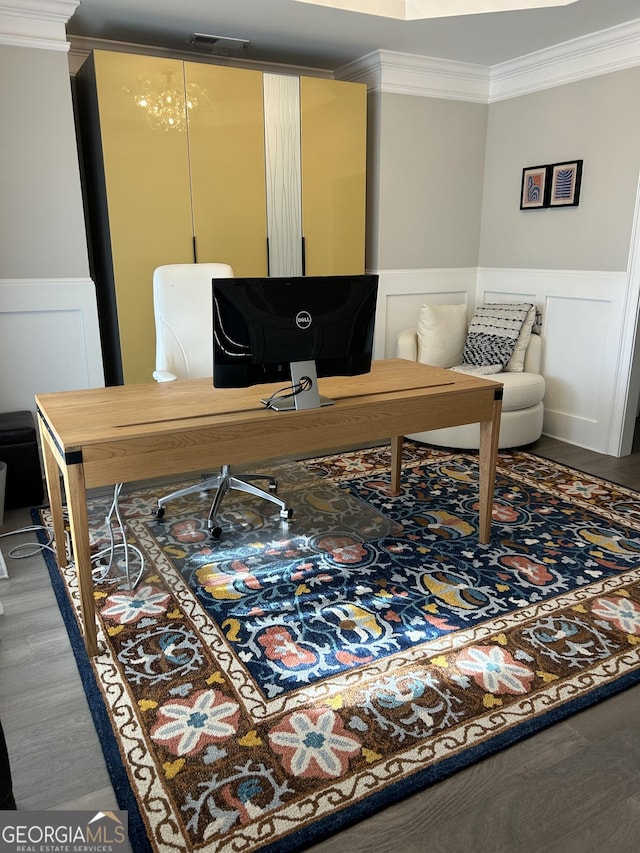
{"x": 223, "y": 483}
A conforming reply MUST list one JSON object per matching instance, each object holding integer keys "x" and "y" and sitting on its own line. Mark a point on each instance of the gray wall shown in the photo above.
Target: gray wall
{"x": 41, "y": 217}
{"x": 428, "y": 167}
{"x": 596, "y": 120}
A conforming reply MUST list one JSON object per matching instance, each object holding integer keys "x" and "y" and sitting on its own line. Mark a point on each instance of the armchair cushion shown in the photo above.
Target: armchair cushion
{"x": 442, "y": 330}
{"x": 478, "y": 369}
{"x": 516, "y": 362}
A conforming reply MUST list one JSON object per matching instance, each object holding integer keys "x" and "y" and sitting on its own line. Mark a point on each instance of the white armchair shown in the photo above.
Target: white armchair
{"x": 522, "y": 406}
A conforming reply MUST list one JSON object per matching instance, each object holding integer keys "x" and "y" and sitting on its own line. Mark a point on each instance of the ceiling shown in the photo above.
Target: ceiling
{"x": 294, "y": 33}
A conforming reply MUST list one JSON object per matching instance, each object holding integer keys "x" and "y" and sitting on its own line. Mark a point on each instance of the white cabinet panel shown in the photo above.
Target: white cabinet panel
{"x": 283, "y": 181}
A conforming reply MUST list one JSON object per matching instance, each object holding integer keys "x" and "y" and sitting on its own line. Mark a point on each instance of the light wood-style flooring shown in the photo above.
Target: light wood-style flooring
{"x": 573, "y": 788}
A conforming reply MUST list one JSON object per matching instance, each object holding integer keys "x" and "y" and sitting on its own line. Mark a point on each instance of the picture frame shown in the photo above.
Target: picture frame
{"x": 534, "y": 190}
{"x": 565, "y": 180}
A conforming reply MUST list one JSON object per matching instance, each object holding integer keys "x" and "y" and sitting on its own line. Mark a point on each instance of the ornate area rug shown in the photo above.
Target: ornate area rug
{"x": 260, "y": 692}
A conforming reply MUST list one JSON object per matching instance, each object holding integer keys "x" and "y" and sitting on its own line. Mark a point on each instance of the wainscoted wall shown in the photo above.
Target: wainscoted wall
{"x": 585, "y": 341}
{"x": 49, "y": 339}
{"x": 402, "y": 292}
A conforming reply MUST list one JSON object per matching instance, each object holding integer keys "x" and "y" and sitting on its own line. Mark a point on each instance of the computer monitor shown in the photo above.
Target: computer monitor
{"x": 292, "y": 330}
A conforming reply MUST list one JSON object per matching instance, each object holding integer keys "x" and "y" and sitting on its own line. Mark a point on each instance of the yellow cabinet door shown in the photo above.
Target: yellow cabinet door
{"x": 146, "y": 173}
{"x": 333, "y": 161}
{"x": 226, "y": 149}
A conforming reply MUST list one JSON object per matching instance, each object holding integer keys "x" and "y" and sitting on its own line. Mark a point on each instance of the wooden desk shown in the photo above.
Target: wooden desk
{"x": 105, "y": 436}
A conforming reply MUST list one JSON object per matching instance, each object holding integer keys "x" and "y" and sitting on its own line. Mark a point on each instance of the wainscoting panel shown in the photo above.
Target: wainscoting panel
{"x": 402, "y": 292}
{"x": 582, "y": 352}
{"x": 49, "y": 339}
{"x": 577, "y": 368}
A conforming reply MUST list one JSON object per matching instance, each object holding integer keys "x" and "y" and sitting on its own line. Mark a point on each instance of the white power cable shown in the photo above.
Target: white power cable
{"x": 114, "y": 546}
{"x": 20, "y": 552}
{"x": 30, "y": 549}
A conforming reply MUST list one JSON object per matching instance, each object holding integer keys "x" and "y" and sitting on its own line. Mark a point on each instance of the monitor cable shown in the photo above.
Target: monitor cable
{"x": 305, "y": 384}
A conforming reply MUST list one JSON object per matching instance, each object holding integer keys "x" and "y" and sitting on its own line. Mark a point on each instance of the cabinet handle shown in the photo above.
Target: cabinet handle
{"x": 268, "y": 259}
{"x": 195, "y": 250}
{"x": 304, "y": 258}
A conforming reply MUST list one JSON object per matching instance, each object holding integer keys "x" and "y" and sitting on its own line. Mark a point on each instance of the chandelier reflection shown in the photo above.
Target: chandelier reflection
{"x": 165, "y": 106}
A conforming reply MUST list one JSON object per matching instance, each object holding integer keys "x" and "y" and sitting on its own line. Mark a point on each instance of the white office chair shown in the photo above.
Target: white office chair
{"x": 182, "y": 305}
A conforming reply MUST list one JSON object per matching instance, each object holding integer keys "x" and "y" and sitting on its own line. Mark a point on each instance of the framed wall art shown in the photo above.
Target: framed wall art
{"x": 534, "y": 192}
{"x": 565, "y": 180}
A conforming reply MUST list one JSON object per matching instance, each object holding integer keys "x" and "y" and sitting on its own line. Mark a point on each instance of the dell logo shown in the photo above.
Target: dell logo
{"x": 303, "y": 319}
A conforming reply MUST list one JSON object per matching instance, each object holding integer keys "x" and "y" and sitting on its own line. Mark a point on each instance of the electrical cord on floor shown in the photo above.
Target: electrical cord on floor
{"x": 114, "y": 546}
{"x": 20, "y": 552}
{"x": 102, "y": 561}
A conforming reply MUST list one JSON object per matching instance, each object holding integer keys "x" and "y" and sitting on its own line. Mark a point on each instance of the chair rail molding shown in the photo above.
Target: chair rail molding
{"x": 36, "y": 23}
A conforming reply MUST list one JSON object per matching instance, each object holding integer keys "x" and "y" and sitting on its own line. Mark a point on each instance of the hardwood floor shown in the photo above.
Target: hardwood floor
{"x": 573, "y": 788}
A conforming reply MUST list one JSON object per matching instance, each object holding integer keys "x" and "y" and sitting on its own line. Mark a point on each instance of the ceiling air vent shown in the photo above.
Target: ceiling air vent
{"x": 219, "y": 45}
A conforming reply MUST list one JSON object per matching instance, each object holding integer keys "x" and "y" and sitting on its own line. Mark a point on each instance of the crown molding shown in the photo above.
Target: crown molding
{"x": 614, "y": 49}
{"x": 36, "y": 23}
{"x": 427, "y": 77}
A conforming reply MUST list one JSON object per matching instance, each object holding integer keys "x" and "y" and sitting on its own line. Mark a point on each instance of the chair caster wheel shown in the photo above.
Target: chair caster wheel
{"x": 286, "y": 513}
{"x": 160, "y": 512}
{"x": 215, "y": 532}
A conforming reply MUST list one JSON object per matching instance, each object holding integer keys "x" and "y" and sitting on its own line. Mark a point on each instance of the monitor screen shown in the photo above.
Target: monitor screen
{"x": 263, "y": 326}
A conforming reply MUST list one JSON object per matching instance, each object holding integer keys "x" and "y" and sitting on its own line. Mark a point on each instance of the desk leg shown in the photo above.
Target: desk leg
{"x": 78, "y": 519}
{"x": 396, "y": 463}
{"x": 54, "y": 490}
{"x": 489, "y": 434}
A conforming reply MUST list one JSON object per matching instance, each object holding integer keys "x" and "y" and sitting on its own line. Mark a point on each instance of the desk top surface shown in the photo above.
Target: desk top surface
{"x": 78, "y": 418}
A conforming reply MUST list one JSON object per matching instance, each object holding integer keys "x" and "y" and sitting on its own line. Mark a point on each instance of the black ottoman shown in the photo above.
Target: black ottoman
{"x": 19, "y": 449}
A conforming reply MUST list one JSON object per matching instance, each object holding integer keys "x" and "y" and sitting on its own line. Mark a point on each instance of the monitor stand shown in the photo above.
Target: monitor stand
{"x": 303, "y": 373}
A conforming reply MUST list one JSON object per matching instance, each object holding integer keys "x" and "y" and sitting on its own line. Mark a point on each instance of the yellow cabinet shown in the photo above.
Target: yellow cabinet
{"x": 226, "y": 150}
{"x": 333, "y": 163}
{"x": 179, "y": 161}
{"x": 138, "y": 204}
{"x": 174, "y": 157}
